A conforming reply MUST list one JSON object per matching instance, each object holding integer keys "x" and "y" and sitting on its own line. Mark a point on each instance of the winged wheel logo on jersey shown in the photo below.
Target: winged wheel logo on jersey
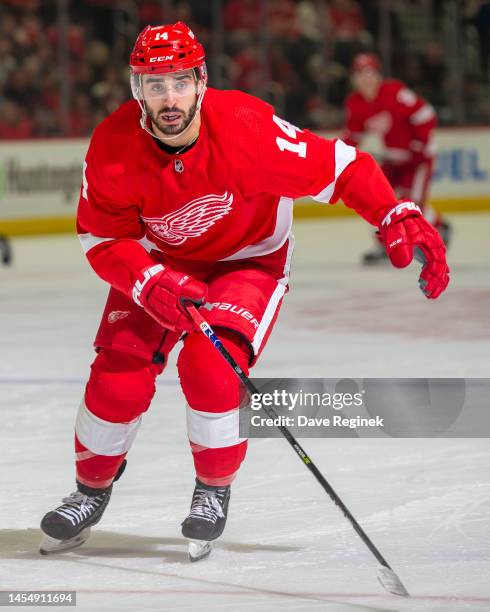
{"x": 191, "y": 220}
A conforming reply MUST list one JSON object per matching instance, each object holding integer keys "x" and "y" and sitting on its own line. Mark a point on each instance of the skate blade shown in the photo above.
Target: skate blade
{"x": 50, "y": 545}
{"x": 375, "y": 261}
{"x": 390, "y": 581}
{"x": 198, "y": 549}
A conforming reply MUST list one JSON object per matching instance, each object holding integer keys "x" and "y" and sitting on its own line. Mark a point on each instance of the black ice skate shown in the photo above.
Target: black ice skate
{"x": 68, "y": 526}
{"x": 375, "y": 257}
{"x": 207, "y": 518}
{"x": 445, "y": 229}
{"x": 5, "y": 250}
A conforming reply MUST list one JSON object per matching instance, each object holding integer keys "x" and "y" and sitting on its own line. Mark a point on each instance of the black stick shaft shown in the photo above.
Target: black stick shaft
{"x": 213, "y": 338}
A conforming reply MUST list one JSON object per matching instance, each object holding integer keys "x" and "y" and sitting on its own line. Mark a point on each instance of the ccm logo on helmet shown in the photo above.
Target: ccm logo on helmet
{"x": 161, "y": 58}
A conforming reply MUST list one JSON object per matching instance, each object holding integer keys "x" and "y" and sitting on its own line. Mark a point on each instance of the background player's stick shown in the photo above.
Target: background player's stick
{"x": 386, "y": 576}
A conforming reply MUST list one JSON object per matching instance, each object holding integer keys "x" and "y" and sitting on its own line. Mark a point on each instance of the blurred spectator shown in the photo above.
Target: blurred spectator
{"x": 14, "y": 121}
{"x": 309, "y": 20}
{"x": 183, "y": 11}
{"x": 293, "y": 53}
{"x": 372, "y": 14}
{"x": 31, "y": 5}
{"x": 21, "y": 86}
{"x": 281, "y": 18}
{"x": 152, "y": 12}
{"x": 481, "y": 21}
{"x": 346, "y": 28}
{"x": 346, "y": 19}
{"x": 80, "y": 115}
{"x": 30, "y": 78}
{"x": 108, "y": 91}
{"x": 324, "y": 106}
{"x": 242, "y": 15}
{"x": 433, "y": 74}
{"x": 247, "y": 73}
{"x": 7, "y": 59}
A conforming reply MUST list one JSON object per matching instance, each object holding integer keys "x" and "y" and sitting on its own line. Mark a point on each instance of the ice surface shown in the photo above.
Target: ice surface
{"x": 425, "y": 503}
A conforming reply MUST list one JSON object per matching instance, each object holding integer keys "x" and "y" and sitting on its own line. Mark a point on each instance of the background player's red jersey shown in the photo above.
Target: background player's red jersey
{"x": 403, "y": 120}
{"x": 228, "y": 197}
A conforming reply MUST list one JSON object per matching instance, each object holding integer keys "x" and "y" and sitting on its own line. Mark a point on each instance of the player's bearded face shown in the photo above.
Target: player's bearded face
{"x": 171, "y": 101}
{"x": 171, "y": 119}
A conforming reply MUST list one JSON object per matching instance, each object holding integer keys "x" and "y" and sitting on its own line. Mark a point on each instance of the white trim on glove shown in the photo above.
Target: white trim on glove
{"x": 398, "y": 209}
{"x": 139, "y": 285}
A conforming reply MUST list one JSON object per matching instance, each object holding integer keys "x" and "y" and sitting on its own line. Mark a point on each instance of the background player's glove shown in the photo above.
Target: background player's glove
{"x": 404, "y": 228}
{"x": 419, "y": 158}
{"x": 163, "y": 292}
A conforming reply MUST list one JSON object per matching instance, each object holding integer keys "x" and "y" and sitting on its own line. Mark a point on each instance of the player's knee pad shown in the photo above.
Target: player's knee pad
{"x": 207, "y": 380}
{"x": 120, "y": 387}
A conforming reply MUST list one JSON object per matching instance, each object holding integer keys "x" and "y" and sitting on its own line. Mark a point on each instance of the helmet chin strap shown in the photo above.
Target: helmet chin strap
{"x": 144, "y": 116}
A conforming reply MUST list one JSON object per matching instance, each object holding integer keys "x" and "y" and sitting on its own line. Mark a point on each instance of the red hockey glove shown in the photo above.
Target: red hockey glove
{"x": 419, "y": 158}
{"x": 162, "y": 292}
{"x": 404, "y": 228}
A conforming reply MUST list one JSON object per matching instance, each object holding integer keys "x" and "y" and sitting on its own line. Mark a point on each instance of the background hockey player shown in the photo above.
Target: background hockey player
{"x": 187, "y": 196}
{"x": 405, "y": 122}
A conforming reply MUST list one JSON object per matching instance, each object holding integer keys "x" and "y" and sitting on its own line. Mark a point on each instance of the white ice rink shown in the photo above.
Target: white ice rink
{"x": 425, "y": 503}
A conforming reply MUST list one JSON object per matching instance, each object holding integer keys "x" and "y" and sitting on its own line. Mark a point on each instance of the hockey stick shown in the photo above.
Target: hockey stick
{"x": 386, "y": 576}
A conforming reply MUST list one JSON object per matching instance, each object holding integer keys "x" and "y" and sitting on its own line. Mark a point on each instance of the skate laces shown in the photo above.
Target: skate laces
{"x": 206, "y": 504}
{"x": 78, "y": 506}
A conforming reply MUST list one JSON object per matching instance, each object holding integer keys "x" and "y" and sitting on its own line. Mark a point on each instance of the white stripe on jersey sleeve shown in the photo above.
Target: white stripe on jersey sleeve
{"x": 344, "y": 155}
{"x": 423, "y": 115}
{"x": 89, "y": 241}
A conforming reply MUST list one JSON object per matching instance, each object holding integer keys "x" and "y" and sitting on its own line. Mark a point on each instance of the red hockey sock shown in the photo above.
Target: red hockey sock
{"x": 214, "y": 394}
{"x": 119, "y": 390}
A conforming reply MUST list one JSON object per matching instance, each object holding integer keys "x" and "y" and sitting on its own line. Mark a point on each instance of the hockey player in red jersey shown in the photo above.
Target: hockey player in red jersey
{"x": 187, "y": 196}
{"x": 406, "y": 123}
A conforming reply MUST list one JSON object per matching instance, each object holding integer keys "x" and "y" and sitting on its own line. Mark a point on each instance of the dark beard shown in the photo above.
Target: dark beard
{"x": 172, "y": 130}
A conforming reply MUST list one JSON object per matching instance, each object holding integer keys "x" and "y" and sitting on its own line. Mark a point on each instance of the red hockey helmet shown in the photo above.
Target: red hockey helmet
{"x": 166, "y": 48}
{"x": 162, "y": 50}
{"x": 364, "y": 61}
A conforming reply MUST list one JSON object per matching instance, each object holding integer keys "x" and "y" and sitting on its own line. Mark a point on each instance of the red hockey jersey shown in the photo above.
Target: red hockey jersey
{"x": 228, "y": 197}
{"x": 403, "y": 120}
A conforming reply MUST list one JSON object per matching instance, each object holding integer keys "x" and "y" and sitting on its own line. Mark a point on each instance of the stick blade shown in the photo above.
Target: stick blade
{"x": 390, "y": 581}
